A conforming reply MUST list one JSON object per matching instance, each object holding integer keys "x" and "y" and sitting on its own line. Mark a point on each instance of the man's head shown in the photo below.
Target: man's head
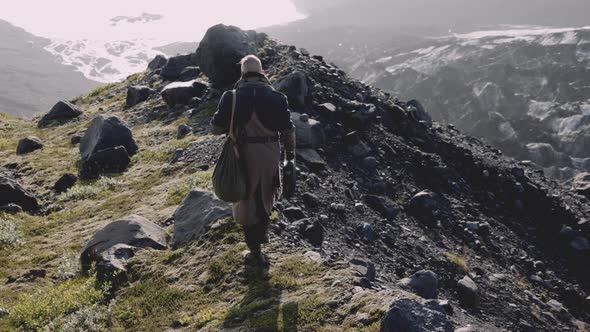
{"x": 251, "y": 64}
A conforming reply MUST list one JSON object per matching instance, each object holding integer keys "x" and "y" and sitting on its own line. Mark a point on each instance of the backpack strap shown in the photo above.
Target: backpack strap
{"x": 232, "y": 134}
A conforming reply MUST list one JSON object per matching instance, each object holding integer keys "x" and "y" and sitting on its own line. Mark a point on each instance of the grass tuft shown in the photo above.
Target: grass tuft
{"x": 90, "y": 190}
{"x": 177, "y": 193}
{"x": 101, "y": 90}
{"x": 149, "y": 305}
{"x": 33, "y": 312}
{"x": 458, "y": 261}
{"x": 226, "y": 264}
{"x": 294, "y": 272}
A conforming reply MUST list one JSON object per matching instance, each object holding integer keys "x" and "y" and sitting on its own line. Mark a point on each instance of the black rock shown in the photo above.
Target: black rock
{"x": 105, "y": 133}
{"x": 311, "y": 200}
{"x": 105, "y": 161}
{"x": 364, "y": 268}
{"x": 468, "y": 292}
{"x": 11, "y": 208}
{"x": 61, "y": 111}
{"x": 221, "y": 49}
{"x": 385, "y": 206}
{"x": 294, "y": 213}
{"x": 183, "y": 130}
{"x": 424, "y": 283}
{"x": 297, "y": 88}
{"x": 137, "y": 94}
{"x": 111, "y": 246}
{"x": 174, "y": 66}
{"x": 427, "y": 204}
{"x": 158, "y": 62}
{"x": 12, "y": 192}
{"x": 28, "y": 144}
{"x": 189, "y": 73}
{"x": 64, "y": 183}
{"x": 76, "y": 139}
{"x": 181, "y": 93}
{"x": 408, "y": 315}
{"x": 367, "y": 232}
{"x": 418, "y": 112}
{"x": 314, "y": 233}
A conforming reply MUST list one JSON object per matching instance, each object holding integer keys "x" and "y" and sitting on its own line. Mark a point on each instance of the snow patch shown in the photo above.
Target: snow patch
{"x": 540, "y": 109}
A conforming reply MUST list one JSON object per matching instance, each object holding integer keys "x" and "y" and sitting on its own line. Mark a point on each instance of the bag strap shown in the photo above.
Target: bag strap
{"x": 232, "y": 135}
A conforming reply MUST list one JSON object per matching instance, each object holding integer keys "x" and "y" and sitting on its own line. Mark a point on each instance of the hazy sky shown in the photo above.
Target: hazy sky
{"x": 184, "y": 20}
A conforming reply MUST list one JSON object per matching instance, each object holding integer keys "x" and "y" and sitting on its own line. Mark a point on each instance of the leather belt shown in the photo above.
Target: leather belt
{"x": 259, "y": 140}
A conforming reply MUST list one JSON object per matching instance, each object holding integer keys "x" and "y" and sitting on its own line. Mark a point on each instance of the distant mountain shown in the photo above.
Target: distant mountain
{"x": 526, "y": 91}
{"x": 112, "y": 61}
{"x": 31, "y": 79}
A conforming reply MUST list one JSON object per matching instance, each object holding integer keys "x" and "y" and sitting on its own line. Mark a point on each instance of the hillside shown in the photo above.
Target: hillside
{"x": 395, "y": 222}
{"x": 524, "y": 90}
{"x": 31, "y": 77}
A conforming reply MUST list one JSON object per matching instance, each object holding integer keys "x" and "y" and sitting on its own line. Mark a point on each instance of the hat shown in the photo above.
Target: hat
{"x": 251, "y": 64}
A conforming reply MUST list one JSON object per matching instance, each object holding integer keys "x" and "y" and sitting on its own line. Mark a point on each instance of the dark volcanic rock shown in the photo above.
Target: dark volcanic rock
{"x": 181, "y": 93}
{"x": 296, "y": 87}
{"x": 294, "y": 213}
{"x": 427, "y": 204}
{"x": 11, "y": 208}
{"x": 105, "y": 133}
{"x": 222, "y": 48}
{"x": 198, "y": 210}
{"x": 65, "y": 182}
{"x": 105, "y": 161}
{"x": 28, "y": 144}
{"x": 468, "y": 292}
{"x": 189, "y": 73}
{"x": 385, "y": 206}
{"x": 308, "y": 132}
{"x": 137, "y": 94}
{"x": 12, "y": 192}
{"x": 423, "y": 283}
{"x": 61, "y": 111}
{"x": 314, "y": 233}
{"x": 407, "y": 315}
{"x": 106, "y": 147}
{"x": 174, "y": 66}
{"x": 158, "y": 62}
{"x": 110, "y": 246}
{"x": 182, "y": 131}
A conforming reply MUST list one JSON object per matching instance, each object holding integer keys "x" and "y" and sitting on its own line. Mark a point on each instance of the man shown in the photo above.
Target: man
{"x": 263, "y": 122}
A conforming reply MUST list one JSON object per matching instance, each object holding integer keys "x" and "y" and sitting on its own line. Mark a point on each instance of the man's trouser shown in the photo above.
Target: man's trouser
{"x": 257, "y": 234}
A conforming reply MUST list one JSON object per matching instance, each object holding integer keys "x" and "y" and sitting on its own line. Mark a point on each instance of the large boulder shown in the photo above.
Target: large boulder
{"x": 174, "y": 66}
{"x": 181, "y": 93}
{"x": 106, "y": 161}
{"x": 428, "y": 204}
{"x": 198, "y": 210}
{"x": 581, "y": 184}
{"x": 408, "y": 315}
{"x": 424, "y": 283}
{"x": 468, "y": 292}
{"x": 132, "y": 232}
{"x": 106, "y": 147}
{"x": 222, "y": 48}
{"x": 297, "y": 88}
{"x": 137, "y": 94}
{"x": 28, "y": 144}
{"x": 308, "y": 132}
{"x": 11, "y": 192}
{"x": 61, "y": 111}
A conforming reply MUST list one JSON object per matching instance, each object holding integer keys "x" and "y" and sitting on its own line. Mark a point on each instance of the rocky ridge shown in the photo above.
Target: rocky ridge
{"x": 395, "y": 222}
